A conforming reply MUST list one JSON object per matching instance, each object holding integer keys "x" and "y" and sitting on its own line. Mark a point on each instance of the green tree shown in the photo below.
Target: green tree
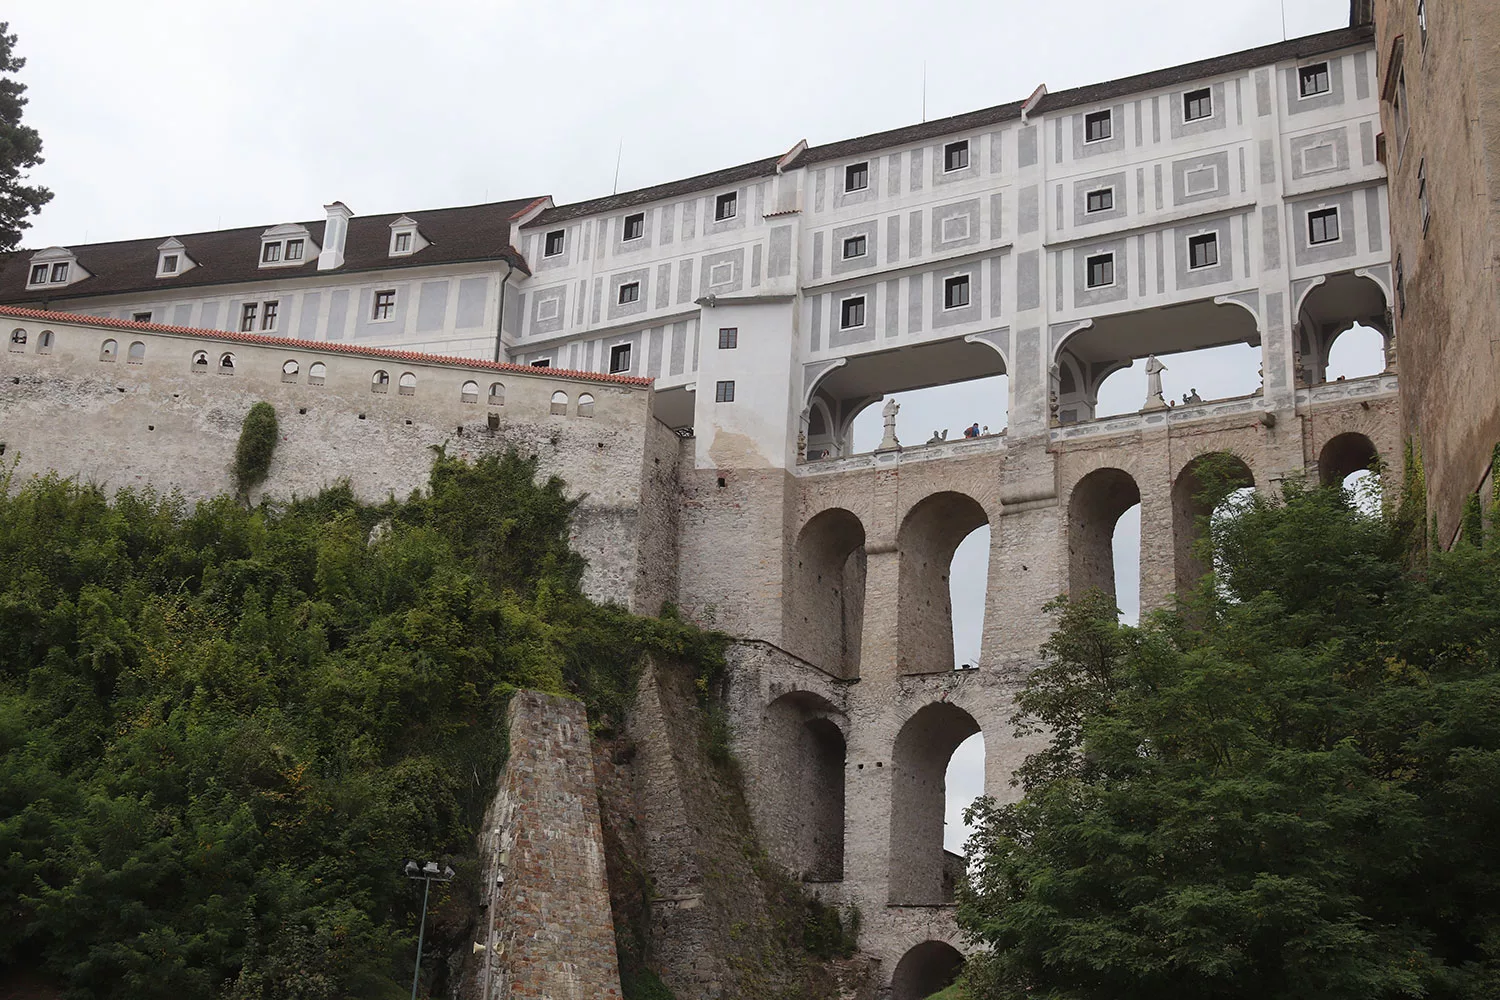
{"x": 20, "y": 149}
{"x": 1288, "y": 791}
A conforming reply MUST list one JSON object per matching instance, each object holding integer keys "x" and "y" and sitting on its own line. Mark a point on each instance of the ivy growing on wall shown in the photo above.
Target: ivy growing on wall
{"x": 252, "y": 457}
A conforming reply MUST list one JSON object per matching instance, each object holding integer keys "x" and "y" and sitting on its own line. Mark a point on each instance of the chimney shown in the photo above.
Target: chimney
{"x": 334, "y": 234}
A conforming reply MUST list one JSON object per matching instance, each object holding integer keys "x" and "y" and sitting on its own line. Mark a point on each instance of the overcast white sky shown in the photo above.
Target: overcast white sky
{"x": 161, "y": 118}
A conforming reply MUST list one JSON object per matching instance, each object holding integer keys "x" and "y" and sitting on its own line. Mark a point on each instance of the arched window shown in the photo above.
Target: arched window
{"x": 200, "y": 361}
{"x": 380, "y": 381}
{"x": 470, "y": 392}
{"x": 289, "y": 370}
{"x": 585, "y": 404}
{"x": 559, "y": 403}
{"x": 109, "y": 351}
{"x": 497, "y": 394}
{"x": 137, "y": 353}
{"x": 317, "y": 373}
{"x": 18, "y": 339}
{"x": 408, "y": 386}
{"x": 226, "y": 363}
{"x": 44, "y": 342}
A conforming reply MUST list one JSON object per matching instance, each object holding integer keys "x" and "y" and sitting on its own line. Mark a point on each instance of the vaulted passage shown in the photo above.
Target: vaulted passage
{"x": 1098, "y": 502}
{"x": 926, "y": 969}
{"x": 1190, "y": 511}
{"x": 1348, "y": 311}
{"x": 825, "y": 604}
{"x": 803, "y": 785}
{"x": 926, "y": 542}
{"x": 1345, "y": 455}
{"x": 919, "y": 767}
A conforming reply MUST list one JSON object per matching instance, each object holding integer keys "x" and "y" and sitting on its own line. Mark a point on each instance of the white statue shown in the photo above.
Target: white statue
{"x": 890, "y": 442}
{"x": 1154, "y": 400}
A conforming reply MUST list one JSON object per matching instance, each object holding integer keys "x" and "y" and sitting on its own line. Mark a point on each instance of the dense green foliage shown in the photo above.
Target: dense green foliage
{"x": 20, "y": 149}
{"x": 222, "y": 730}
{"x": 1290, "y": 790}
{"x": 252, "y": 456}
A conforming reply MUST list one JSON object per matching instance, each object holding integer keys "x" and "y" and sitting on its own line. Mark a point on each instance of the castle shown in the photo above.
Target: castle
{"x": 690, "y": 357}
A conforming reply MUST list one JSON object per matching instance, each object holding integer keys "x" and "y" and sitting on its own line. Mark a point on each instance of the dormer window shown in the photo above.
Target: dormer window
{"x": 270, "y": 253}
{"x": 38, "y": 274}
{"x": 53, "y": 266}
{"x": 294, "y": 250}
{"x": 284, "y": 246}
{"x": 401, "y": 243}
{"x": 60, "y": 272}
{"x": 404, "y": 238}
{"x": 169, "y": 263}
{"x": 172, "y": 259}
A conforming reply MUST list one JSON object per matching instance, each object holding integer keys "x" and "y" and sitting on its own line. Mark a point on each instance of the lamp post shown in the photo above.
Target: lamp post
{"x": 428, "y": 873}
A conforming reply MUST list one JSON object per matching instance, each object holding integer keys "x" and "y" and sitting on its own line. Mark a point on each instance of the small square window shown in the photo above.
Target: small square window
{"x": 1197, "y": 104}
{"x": 630, "y": 292}
{"x": 619, "y": 359}
{"x": 635, "y": 226}
{"x": 956, "y": 155}
{"x": 141, "y": 317}
{"x": 169, "y": 264}
{"x": 1313, "y": 80}
{"x": 268, "y": 315}
{"x": 729, "y": 338}
{"x": 60, "y": 271}
{"x": 856, "y": 176}
{"x": 1323, "y": 226}
{"x": 542, "y": 363}
{"x": 852, "y": 313}
{"x": 38, "y": 274}
{"x": 270, "y": 253}
{"x": 1101, "y": 200}
{"x": 855, "y": 246}
{"x": 554, "y": 244}
{"x": 385, "y": 304}
{"x": 247, "y": 317}
{"x": 724, "y": 392}
{"x": 956, "y": 292}
{"x": 1098, "y": 126}
{"x": 726, "y": 206}
{"x": 294, "y": 249}
{"x": 1101, "y": 270}
{"x": 1203, "y": 251}
{"x": 402, "y": 244}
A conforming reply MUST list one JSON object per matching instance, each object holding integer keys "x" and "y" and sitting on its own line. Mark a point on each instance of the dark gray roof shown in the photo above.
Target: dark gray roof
{"x": 658, "y": 192}
{"x": 231, "y": 256}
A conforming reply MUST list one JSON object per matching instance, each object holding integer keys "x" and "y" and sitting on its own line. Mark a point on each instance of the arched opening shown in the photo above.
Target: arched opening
{"x": 1216, "y": 472}
{"x": 963, "y": 783}
{"x": 920, "y": 871}
{"x": 559, "y": 403}
{"x": 18, "y": 339}
{"x": 469, "y": 392}
{"x": 803, "y": 787}
{"x": 317, "y": 373}
{"x": 1337, "y": 305}
{"x": 109, "y": 350}
{"x": 825, "y": 605}
{"x": 585, "y": 404}
{"x": 1095, "y": 509}
{"x": 407, "y": 385}
{"x": 289, "y": 370}
{"x": 928, "y": 968}
{"x": 958, "y": 412}
{"x": 1208, "y": 375}
{"x": 226, "y": 363}
{"x": 380, "y": 381}
{"x": 497, "y": 394}
{"x": 1349, "y": 460}
{"x": 44, "y": 342}
{"x": 200, "y": 361}
{"x": 1358, "y": 352}
{"x": 136, "y": 354}
{"x": 926, "y": 543}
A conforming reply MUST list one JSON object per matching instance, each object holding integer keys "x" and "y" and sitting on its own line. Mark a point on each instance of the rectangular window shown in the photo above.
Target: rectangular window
{"x": 630, "y": 292}
{"x": 268, "y": 314}
{"x": 956, "y": 155}
{"x": 60, "y": 271}
{"x": 729, "y": 338}
{"x": 1398, "y": 114}
{"x": 856, "y": 176}
{"x": 724, "y": 392}
{"x": 247, "y": 317}
{"x": 1423, "y": 201}
{"x": 1313, "y": 80}
{"x": 1323, "y": 226}
{"x": 1203, "y": 251}
{"x": 294, "y": 248}
{"x": 1101, "y": 270}
{"x": 635, "y": 226}
{"x": 144, "y": 317}
{"x": 1098, "y": 126}
{"x": 956, "y": 292}
{"x": 726, "y": 206}
{"x": 1101, "y": 200}
{"x": 385, "y": 304}
{"x": 403, "y": 243}
{"x": 854, "y": 246}
{"x": 270, "y": 253}
{"x": 1197, "y": 104}
{"x": 1422, "y": 20}
{"x": 554, "y": 244}
{"x": 619, "y": 359}
{"x": 38, "y": 274}
{"x": 852, "y": 313}
{"x": 542, "y": 363}
{"x": 169, "y": 264}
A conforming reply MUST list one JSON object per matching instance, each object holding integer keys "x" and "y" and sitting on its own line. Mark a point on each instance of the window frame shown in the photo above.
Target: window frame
{"x": 1311, "y": 68}
{"x": 1092, "y": 117}
{"x": 295, "y": 243}
{"x": 724, "y": 391}
{"x": 1088, "y": 271}
{"x": 135, "y": 317}
{"x": 269, "y": 310}
{"x": 541, "y": 363}
{"x": 847, "y": 308}
{"x": 632, "y": 221}
{"x": 616, "y": 352}
{"x": 1191, "y": 97}
{"x": 60, "y": 272}
{"x": 860, "y": 170}
{"x": 403, "y": 242}
{"x": 960, "y": 146}
{"x": 170, "y": 264}
{"x": 249, "y": 314}
{"x": 635, "y": 293}
{"x": 43, "y": 269}
{"x": 863, "y": 240}
{"x": 953, "y": 283}
{"x": 1088, "y": 198}
{"x": 1209, "y": 240}
{"x": 729, "y": 200}
{"x": 562, "y": 243}
{"x": 270, "y": 252}
{"x": 729, "y": 338}
{"x": 383, "y": 305}
{"x": 1322, "y": 215}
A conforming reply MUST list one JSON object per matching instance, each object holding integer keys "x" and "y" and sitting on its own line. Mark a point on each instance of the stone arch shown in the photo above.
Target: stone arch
{"x": 585, "y": 404}
{"x": 559, "y": 403}
{"x": 136, "y": 354}
{"x": 803, "y": 785}
{"x": 380, "y": 380}
{"x": 109, "y": 350}
{"x": 1097, "y": 502}
{"x": 1189, "y": 512}
{"x": 44, "y": 342}
{"x": 825, "y": 604}
{"x": 469, "y": 392}
{"x": 1343, "y": 455}
{"x": 1329, "y": 306}
{"x": 226, "y": 363}
{"x": 200, "y": 360}
{"x": 925, "y": 543}
{"x": 317, "y": 373}
{"x": 497, "y": 394}
{"x": 925, "y": 969}
{"x": 408, "y": 384}
{"x": 290, "y": 369}
{"x": 919, "y": 785}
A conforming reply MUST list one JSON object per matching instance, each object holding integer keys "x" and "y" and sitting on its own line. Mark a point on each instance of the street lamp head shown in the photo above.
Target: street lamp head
{"x": 412, "y": 870}
{"x": 430, "y": 868}
{"x": 448, "y": 872}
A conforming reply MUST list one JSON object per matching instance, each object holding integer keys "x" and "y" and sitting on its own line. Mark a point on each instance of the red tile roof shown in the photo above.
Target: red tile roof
{"x": 43, "y": 316}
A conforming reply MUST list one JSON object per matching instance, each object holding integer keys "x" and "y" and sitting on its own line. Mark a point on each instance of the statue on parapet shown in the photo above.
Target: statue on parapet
{"x": 890, "y": 442}
{"x": 1154, "y": 400}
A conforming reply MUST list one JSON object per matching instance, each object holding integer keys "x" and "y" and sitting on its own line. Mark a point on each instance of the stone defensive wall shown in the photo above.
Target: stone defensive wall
{"x": 128, "y": 404}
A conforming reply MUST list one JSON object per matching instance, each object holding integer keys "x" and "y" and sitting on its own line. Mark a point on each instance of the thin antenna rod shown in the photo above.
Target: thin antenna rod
{"x": 618, "y": 156}
{"x": 924, "y": 90}
{"x": 1283, "y": 20}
